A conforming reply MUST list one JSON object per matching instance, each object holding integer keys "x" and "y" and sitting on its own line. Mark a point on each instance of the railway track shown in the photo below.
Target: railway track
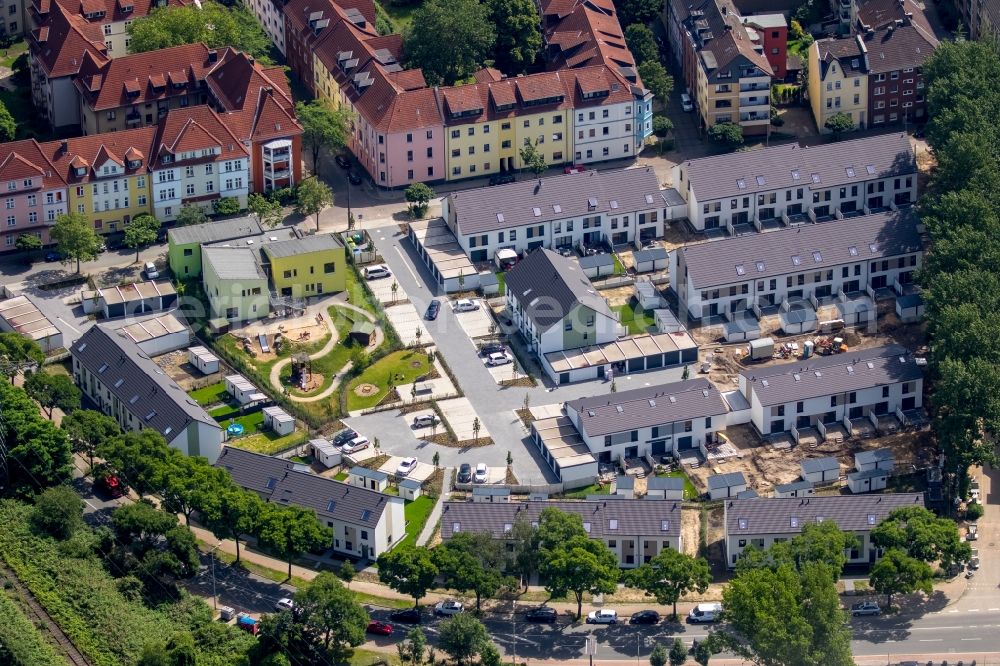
{"x": 38, "y": 615}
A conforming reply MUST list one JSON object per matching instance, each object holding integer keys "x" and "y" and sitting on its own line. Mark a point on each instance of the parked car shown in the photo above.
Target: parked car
{"x": 150, "y": 270}
{"x": 377, "y": 272}
{"x": 465, "y": 305}
{"x": 866, "y": 608}
{"x": 502, "y": 178}
{"x": 465, "y": 473}
{"x": 111, "y": 484}
{"x": 52, "y": 255}
{"x": 359, "y": 443}
{"x": 645, "y": 617}
{"x": 481, "y": 475}
{"x": 686, "y": 103}
{"x": 704, "y": 613}
{"x": 542, "y": 614}
{"x": 408, "y": 616}
{"x": 425, "y": 420}
{"x": 576, "y": 168}
{"x": 492, "y": 348}
{"x": 498, "y": 359}
{"x": 344, "y": 436}
{"x": 433, "y": 308}
{"x": 450, "y": 607}
{"x": 343, "y": 161}
{"x": 406, "y": 466}
{"x": 380, "y": 628}
{"x": 354, "y": 178}
{"x": 284, "y": 604}
{"x": 973, "y": 532}
{"x": 603, "y": 616}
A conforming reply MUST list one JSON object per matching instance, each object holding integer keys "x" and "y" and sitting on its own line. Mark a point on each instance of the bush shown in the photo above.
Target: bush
{"x": 662, "y": 125}
{"x": 285, "y": 196}
{"x": 973, "y": 512}
{"x": 226, "y": 206}
{"x": 20, "y": 643}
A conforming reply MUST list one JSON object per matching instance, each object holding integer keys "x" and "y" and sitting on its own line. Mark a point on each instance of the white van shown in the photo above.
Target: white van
{"x": 150, "y": 270}
{"x": 376, "y": 272}
{"x": 704, "y": 613}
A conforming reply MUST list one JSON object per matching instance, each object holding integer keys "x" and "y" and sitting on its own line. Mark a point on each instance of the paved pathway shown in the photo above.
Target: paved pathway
{"x": 432, "y": 520}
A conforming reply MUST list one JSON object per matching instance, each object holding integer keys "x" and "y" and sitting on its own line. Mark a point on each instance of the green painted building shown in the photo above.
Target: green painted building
{"x": 184, "y": 243}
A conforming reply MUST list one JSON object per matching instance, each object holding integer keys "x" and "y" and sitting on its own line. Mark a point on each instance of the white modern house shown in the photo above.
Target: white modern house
{"x": 846, "y": 392}
{"x": 571, "y": 210}
{"x": 128, "y": 386}
{"x": 761, "y": 522}
{"x": 842, "y": 262}
{"x": 654, "y": 420}
{"x": 787, "y": 184}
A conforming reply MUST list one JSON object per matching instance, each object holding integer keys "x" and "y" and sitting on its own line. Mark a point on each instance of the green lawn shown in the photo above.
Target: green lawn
{"x": 502, "y": 279}
{"x": 252, "y": 423}
{"x": 401, "y": 16}
{"x": 255, "y": 437}
{"x": 619, "y": 267}
{"x": 341, "y": 476}
{"x": 416, "y": 513}
{"x": 690, "y": 492}
{"x": 11, "y": 53}
{"x": 211, "y": 394}
{"x": 402, "y": 366}
{"x": 634, "y": 317}
{"x": 359, "y": 295}
{"x": 328, "y": 366}
{"x": 593, "y": 489}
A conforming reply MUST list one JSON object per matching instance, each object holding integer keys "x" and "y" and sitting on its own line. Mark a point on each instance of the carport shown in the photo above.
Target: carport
{"x": 440, "y": 251}
{"x": 564, "y": 450}
{"x": 637, "y": 353}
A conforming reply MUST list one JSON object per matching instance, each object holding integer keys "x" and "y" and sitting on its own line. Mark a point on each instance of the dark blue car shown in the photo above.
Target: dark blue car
{"x": 432, "y": 310}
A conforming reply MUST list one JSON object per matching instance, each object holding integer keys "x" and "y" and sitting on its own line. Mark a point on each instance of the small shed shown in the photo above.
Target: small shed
{"x": 868, "y": 480}
{"x": 489, "y": 283}
{"x": 665, "y": 487}
{"x": 799, "y": 488}
{"x": 372, "y": 479}
{"x": 910, "y": 308}
{"x": 410, "y": 489}
{"x": 760, "y": 349}
{"x": 597, "y": 265}
{"x": 741, "y": 327}
{"x": 721, "y": 486}
{"x": 874, "y": 459}
{"x": 242, "y": 390}
{"x": 625, "y": 486}
{"x": 206, "y": 362}
{"x": 666, "y": 322}
{"x": 363, "y": 332}
{"x": 653, "y": 259}
{"x": 750, "y": 493}
{"x": 798, "y": 317}
{"x": 487, "y": 495}
{"x": 820, "y": 470}
{"x": 648, "y": 296}
{"x": 324, "y": 452}
{"x": 278, "y": 420}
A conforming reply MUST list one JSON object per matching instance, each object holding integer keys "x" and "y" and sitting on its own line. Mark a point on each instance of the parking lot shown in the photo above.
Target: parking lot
{"x": 460, "y": 416}
{"x": 406, "y": 320}
{"x": 506, "y": 372}
{"x": 421, "y": 472}
{"x": 476, "y": 323}
{"x": 382, "y": 288}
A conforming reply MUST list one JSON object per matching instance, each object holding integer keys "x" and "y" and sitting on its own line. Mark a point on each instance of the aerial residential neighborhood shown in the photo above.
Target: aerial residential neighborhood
{"x": 359, "y": 332}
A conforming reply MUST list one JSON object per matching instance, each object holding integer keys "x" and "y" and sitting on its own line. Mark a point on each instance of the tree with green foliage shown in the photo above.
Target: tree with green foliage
{"x": 8, "y": 126}
{"x": 75, "y": 238}
{"x": 267, "y": 212}
{"x": 921, "y": 534}
{"x": 678, "y": 653}
{"x": 783, "y": 616}
{"x": 580, "y": 565}
{"x": 839, "y": 123}
{"x": 898, "y": 573}
{"x": 669, "y": 575}
{"x": 467, "y": 27}
{"x": 226, "y": 206}
{"x": 462, "y": 637}
{"x": 409, "y": 570}
{"x": 726, "y": 135}
{"x": 140, "y": 525}
{"x": 51, "y": 391}
{"x": 38, "y": 453}
{"x": 179, "y": 650}
{"x": 313, "y": 196}
{"x": 822, "y": 543}
{"x": 283, "y": 640}
{"x": 524, "y": 557}
{"x": 347, "y": 573}
{"x": 415, "y": 645}
{"x": 655, "y": 77}
{"x": 140, "y": 232}
{"x": 291, "y": 531}
{"x": 641, "y": 43}
{"x": 186, "y": 483}
{"x": 974, "y": 512}
{"x": 532, "y": 159}
{"x": 230, "y": 513}
{"x": 472, "y": 562}
{"x": 209, "y": 22}
{"x": 324, "y": 127}
{"x": 18, "y": 354}
{"x": 88, "y": 429}
{"x": 28, "y": 243}
{"x": 138, "y": 458}
{"x": 662, "y": 126}
{"x": 331, "y": 614}
{"x": 189, "y": 214}
{"x": 638, "y": 11}
{"x": 58, "y": 512}
{"x": 418, "y": 197}
{"x": 659, "y": 656}
{"x": 519, "y": 35}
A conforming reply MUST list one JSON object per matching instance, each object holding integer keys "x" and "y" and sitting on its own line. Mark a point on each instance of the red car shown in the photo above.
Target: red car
{"x": 576, "y": 168}
{"x": 112, "y": 485}
{"x": 381, "y": 628}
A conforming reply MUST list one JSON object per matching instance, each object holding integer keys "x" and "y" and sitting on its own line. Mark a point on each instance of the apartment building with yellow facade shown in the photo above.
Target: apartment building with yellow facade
{"x": 838, "y": 80}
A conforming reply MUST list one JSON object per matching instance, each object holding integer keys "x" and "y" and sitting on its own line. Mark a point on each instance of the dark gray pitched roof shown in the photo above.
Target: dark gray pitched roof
{"x": 366, "y": 473}
{"x": 213, "y": 232}
{"x": 867, "y": 474}
{"x": 155, "y": 400}
{"x": 648, "y": 406}
{"x": 760, "y": 256}
{"x": 634, "y": 517}
{"x": 548, "y": 286}
{"x": 652, "y": 254}
{"x": 794, "y": 485}
{"x": 664, "y": 483}
{"x": 595, "y": 260}
{"x": 625, "y": 482}
{"x": 726, "y": 480}
{"x": 304, "y": 245}
{"x": 624, "y": 191}
{"x": 487, "y": 491}
{"x": 774, "y": 515}
{"x": 411, "y": 484}
{"x": 828, "y": 375}
{"x": 717, "y": 176}
{"x": 253, "y": 471}
{"x": 749, "y": 493}
{"x": 810, "y": 465}
{"x": 873, "y": 456}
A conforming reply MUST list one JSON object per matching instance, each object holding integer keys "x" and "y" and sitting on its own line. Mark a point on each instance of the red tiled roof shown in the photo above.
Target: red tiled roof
{"x": 197, "y": 128}
{"x": 409, "y": 79}
{"x": 25, "y": 159}
{"x": 539, "y": 86}
{"x": 462, "y": 99}
{"x": 140, "y": 71}
{"x": 584, "y": 33}
{"x": 91, "y": 152}
{"x": 60, "y": 44}
{"x": 92, "y": 7}
{"x": 258, "y": 100}
{"x": 113, "y": 9}
{"x": 389, "y": 108}
{"x": 488, "y": 74}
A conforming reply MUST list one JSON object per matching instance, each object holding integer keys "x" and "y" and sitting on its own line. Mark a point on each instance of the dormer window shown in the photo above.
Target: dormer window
{"x": 134, "y": 164}
{"x": 81, "y": 171}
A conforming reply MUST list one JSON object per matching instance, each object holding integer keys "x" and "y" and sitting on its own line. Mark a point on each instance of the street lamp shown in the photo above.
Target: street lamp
{"x": 211, "y": 555}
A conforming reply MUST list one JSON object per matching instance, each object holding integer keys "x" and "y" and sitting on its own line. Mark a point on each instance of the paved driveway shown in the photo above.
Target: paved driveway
{"x": 460, "y": 416}
{"x": 421, "y": 472}
{"x": 476, "y": 324}
{"x": 382, "y": 288}
{"x": 407, "y": 322}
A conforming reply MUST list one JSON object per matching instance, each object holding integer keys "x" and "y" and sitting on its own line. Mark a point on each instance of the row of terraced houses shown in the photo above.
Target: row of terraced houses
{"x": 589, "y": 107}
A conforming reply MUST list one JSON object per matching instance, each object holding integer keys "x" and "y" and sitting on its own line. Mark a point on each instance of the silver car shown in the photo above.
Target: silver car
{"x": 866, "y": 608}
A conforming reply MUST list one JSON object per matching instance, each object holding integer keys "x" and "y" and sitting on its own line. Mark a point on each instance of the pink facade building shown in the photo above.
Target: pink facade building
{"x": 33, "y": 194}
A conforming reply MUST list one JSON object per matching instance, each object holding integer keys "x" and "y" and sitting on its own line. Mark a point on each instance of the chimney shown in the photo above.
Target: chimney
{"x": 64, "y": 145}
{"x": 213, "y": 56}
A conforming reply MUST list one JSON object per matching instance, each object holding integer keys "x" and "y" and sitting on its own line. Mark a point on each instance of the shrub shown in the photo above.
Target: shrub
{"x": 974, "y": 512}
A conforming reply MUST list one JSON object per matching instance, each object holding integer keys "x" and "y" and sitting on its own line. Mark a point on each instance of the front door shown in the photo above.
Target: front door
{"x": 600, "y": 372}
{"x": 632, "y": 452}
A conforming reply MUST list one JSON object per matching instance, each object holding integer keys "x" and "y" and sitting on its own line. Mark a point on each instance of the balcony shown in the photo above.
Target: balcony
{"x": 278, "y": 174}
{"x": 755, "y": 103}
{"x": 748, "y": 87}
{"x": 281, "y": 154}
